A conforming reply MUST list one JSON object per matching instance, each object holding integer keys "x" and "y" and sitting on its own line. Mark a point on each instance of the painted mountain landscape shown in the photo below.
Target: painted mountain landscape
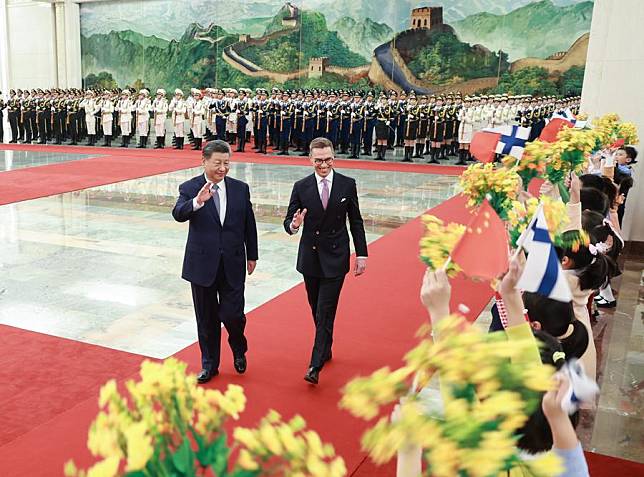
{"x": 515, "y": 46}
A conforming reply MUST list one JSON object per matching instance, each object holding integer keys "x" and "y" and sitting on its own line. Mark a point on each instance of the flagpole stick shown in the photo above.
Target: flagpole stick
{"x": 524, "y": 235}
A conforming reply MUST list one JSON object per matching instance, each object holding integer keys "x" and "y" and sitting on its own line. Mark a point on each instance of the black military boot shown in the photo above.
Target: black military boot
{"x": 433, "y": 153}
{"x": 408, "y": 152}
{"x": 418, "y": 150}
{"x": 461, "y": 158}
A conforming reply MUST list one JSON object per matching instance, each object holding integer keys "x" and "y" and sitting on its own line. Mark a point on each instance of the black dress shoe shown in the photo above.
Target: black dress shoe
{"x": 240, "y": 364}
{"x": 312, "y": 375}
{"x": 206, "y": 375}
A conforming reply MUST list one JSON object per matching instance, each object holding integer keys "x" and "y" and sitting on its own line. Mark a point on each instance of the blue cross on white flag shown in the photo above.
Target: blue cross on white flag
{"x": 542, "y": 273}
{"x": 512, "y": 140}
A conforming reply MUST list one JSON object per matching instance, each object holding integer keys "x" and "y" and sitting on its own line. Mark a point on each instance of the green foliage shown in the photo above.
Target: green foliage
{"x": 444, "y": 59}
{"x": 327, "y": 81}
{"x": 363, "y": 36}
{"x": 313, "y": 39}
{"x": 571, "y": 81}
{"x": 537, "y": 29}
{"x": 282, "y": 59}
{"x": 103, "y": 80}
{"x": 532, "y": 80}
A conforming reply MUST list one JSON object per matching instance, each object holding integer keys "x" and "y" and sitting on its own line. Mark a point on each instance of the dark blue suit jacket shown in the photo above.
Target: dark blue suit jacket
{"x": 324, "y": 244}
{"x": 209, "y": 242}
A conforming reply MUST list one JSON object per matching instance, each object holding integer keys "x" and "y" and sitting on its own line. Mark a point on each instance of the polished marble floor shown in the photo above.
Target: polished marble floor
{"x": 103, "y": 265}
{"x": 11, "y": 160}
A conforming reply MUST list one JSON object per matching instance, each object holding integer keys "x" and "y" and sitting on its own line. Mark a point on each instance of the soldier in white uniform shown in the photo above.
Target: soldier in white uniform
{"x": 142, "y": 108}
{"x": 124, "y": 107}
{"x": 179, "y": 110}
{"x": 91, "y": 108}
{"x": 160, "y": 108}
{"x": 465, "y": 129}
{"x": 107, "y": 118}
{"x": 196, "y": 114}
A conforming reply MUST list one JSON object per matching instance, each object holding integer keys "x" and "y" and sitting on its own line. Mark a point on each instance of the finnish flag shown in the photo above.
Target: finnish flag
{"x": 512, "y": 140}
{"x": 542, "y": 273}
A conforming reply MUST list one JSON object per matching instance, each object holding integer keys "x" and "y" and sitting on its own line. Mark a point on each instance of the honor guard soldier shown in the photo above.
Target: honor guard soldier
{"x": 178, "y": 109}
{"x": 411, "y": 115}
{"x": 423, "y": 127}
{"x": 242, "y": 110}
{"x": 383, "y": 125}
{"x": 369, "y": 123}
{"x": 260, "y": 120}
{"x": 286, "y": 112}
{"x": 13, "y": 112}
{"x": 319, "y": 115}
{"x": 107, "y": 117}
{"x": 2, "y": 108}
{"x": 160, "y": 109}
{"x": 437, "y": 131}
{"x": 344, "y": 122}
{"x": 142, "y": 107}
{"x": 308, "y": 126}
{"x": 196, "y": 113}
{"x": 88, "y": 106}
{"x": 332, "y": 119}
{"x": 72, "y": 118}
{"x": 356, "y": 125}
{"x": 125, "y": 107}
{"x": 465, "y": 130}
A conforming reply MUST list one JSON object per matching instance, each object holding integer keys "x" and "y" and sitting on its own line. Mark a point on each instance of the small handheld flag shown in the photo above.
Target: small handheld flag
{"x": 542, "y": 273}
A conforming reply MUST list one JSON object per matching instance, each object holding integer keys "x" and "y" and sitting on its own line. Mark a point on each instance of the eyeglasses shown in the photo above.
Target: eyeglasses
{"x": 327, "y": 161}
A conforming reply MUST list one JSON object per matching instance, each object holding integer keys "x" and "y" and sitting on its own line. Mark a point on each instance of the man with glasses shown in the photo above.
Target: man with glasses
{"x": 326, "y": 199}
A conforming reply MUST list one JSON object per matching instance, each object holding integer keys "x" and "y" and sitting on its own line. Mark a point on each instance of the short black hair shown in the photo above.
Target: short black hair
{"x": 594, "y": 199}
{"x": 630, "y": 152}
{"x": 215, "y": 146}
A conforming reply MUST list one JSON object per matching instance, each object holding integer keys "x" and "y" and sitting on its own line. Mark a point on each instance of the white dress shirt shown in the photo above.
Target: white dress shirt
{"x": 319, "y": 180}
{"x": 221, "y": 192}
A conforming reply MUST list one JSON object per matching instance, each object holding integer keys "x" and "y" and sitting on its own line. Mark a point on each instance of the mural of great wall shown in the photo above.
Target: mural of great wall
{"x": 297, "y": 47}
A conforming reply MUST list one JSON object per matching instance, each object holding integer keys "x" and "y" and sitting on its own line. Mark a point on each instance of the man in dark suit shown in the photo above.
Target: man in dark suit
{"x": 326, "y": 198}
{"x": 221, "y": 248}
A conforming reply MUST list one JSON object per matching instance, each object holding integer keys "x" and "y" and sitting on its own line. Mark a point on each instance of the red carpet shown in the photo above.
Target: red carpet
{"x": 42, "y": 376}
{"x": 378, "y": 317}
{"x": 370, "y": 333}
{"x": 124, "y": 164}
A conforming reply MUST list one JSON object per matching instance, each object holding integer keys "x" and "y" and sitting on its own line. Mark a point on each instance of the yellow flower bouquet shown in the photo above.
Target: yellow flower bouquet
{"x": 498, "y": 185}
{"x": 521, "y": 214}
{"x": 488, "y": 394}
{"x": 438, "y": 242}
{"x": 169, "y": 426}
{"x": 528, "y": 167}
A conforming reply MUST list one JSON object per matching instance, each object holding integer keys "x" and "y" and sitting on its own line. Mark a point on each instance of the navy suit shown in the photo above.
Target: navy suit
{"x": 323, "y": 256}
{"x": 215, "y": 264}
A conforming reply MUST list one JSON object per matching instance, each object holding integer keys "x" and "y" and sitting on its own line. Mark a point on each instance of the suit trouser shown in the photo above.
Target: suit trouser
{"x": 323, "y": 295}
{"x": 219, "y": 303}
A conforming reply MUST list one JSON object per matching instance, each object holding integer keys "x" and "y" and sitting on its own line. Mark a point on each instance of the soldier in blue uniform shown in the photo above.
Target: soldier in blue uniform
{"x": 369, "y": 123}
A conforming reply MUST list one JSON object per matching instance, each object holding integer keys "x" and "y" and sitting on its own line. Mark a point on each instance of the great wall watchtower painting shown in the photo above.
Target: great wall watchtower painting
{"x": 518, "y": 46}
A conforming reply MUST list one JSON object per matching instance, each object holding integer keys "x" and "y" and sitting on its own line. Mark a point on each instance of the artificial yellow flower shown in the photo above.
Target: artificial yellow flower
{"x": 246, "y": 461}
{"x": 139, "y": 446}
{"x": 105, "y": 468}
